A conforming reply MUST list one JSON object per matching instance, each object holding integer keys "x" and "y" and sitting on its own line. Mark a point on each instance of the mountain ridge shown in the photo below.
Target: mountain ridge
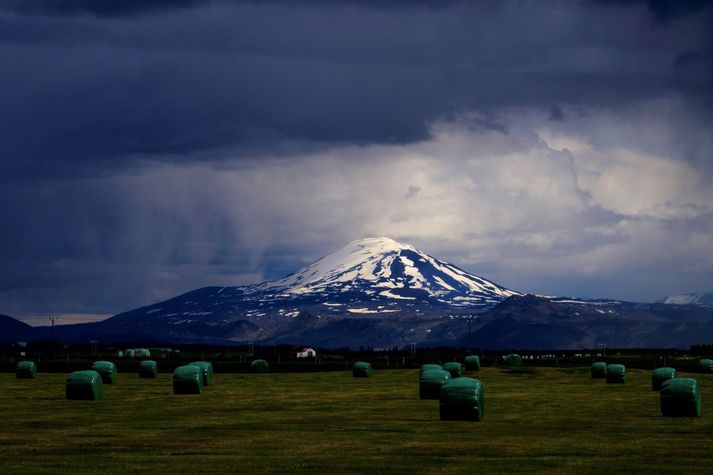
{"x": 381, "y": 293}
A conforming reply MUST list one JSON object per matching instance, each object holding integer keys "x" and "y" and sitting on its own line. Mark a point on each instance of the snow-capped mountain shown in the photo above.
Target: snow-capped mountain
{"x": 386, "y": 269}
{"x": 368, "y": 278}
{"x": 379, "y": 292}
{"x": 688, "y": 299}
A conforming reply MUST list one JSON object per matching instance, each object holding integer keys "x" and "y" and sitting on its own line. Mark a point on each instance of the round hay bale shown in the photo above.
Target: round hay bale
{"x": 430, "y": 382}
{"x": 472, "y": 363}
{"x": 84, "y": 385}
{"x": 659, "y": 375}
{"x": 26, "y": 370}
{"x": 430, "y": 366}
{"x": 455, "y": 368}
{"x": 107, "y": 369}
{"x": 599, "y": 370}
{"x": 206, "y": 371}
{"x": 259, "y": 366}
{"x": 616, "y": 374}
{"x": 513, "y": 361}
{"x": 361, "y": 369}
{"x": 706, "y": 365}
{"x": 148, "y": 369}
{"x": 188, "y": 379}
{"x": 680, "y": 397}
{"x": 462, "y": 399}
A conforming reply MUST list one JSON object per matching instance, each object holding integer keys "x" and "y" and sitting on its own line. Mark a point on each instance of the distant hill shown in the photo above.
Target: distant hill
{"x": 542, "y": 323}
{"x": 15, "y": 330}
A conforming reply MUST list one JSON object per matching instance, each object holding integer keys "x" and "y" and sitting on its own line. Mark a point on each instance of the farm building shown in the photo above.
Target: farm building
{"x": 307, "y": 353}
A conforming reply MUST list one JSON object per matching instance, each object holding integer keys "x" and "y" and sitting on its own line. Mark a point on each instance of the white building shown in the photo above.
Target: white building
{"x": 307, "y": 353}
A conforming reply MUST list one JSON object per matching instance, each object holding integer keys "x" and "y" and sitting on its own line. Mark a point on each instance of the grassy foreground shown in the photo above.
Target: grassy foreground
{"x": 545, "y": 420}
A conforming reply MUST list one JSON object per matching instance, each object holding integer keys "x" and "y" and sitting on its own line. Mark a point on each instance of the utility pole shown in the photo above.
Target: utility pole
{"x": 470, "y": 336}
{"x": 52, "y": 320}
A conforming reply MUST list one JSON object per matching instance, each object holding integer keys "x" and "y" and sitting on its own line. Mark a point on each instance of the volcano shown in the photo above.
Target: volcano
{"x": 330, "y": 301}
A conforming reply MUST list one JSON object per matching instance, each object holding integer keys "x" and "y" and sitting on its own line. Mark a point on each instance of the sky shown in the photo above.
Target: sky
{"x": 151, "y": 148}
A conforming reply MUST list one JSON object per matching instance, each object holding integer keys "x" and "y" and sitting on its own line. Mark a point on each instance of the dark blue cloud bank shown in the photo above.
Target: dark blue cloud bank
{"x": 148, "y": 148}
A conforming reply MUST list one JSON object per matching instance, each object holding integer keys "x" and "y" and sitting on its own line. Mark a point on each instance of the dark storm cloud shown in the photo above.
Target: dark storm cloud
{"x": 190, "y": 81}
{"x": 111, "y": 8}
{"x": 148, "y": 148}
{"x": 664, "y": 10}
{"x": 99, "y": 8}
{"x": 556, "y": 113}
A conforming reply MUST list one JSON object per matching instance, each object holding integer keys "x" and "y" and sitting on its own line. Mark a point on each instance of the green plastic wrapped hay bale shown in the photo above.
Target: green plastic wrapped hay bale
{"x": 599, "y": 370}
{"x": 107, "y": 369}
{"x": 84, "y": 385}
{"x": 188, "y": 379}
{"x": 455, "y": 368}
{"x": 430, "y": 382}
{"x": 206, "y": 371}
{"x": 361, "y": 369}
{"x": 706, "y": 365}
{"x": 148, "y": 369}
{"x": 513, "y": 361}
{"x": 680, "y": 397}
{"x": 259, "y": 366}
{"x": 143, "y": 353}
{"x": 616, "y": 374}
{"x": 472, "y": 363}
{"x": 659, "y": 375}
{"x": 26, "y": 370}
{"x": 430, "y": 366}
{"x": 461, "y": 399}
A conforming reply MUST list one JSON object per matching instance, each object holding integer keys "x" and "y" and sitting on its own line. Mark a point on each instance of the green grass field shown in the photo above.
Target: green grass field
{"x": 545, "y": 420}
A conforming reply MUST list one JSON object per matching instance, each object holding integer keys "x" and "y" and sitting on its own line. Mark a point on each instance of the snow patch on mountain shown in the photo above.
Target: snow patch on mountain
{"x": 689, "y": 299}
{"x": 401, "y": 270}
